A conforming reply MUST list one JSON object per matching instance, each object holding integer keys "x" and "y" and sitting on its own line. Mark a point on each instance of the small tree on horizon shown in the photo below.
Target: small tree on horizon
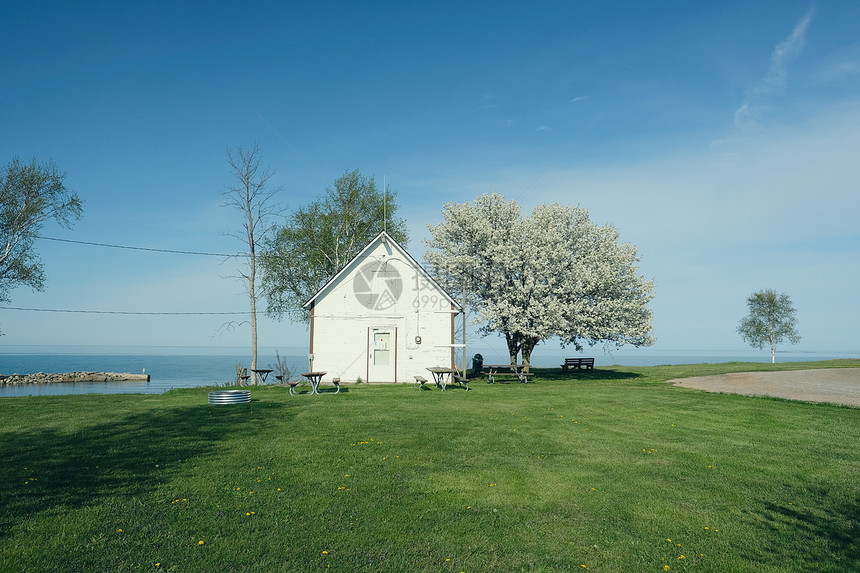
{"x": 771, "y": 320}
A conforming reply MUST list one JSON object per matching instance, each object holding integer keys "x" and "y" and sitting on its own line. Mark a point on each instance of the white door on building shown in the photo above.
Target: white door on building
{"x": 382, "y": 354}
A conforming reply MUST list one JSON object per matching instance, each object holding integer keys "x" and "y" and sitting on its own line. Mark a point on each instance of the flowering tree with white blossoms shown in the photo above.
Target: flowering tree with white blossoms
{"x": 552, "y": 274}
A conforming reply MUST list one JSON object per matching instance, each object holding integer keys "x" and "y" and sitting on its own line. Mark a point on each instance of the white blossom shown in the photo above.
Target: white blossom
{"x": 552, "y": 274}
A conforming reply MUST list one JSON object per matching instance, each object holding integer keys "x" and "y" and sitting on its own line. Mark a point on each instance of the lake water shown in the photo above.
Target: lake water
{"x": 183, "y": 368}
{"x": 166, "y": 371}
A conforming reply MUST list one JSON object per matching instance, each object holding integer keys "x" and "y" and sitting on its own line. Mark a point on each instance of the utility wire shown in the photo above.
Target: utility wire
{"x": 173, "y": 251}
{"x": 121, "y": 312}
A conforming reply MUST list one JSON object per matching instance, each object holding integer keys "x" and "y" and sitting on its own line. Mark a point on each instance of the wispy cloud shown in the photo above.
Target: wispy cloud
{"x": 759, "y": 96}
{"x": 842, "y": 65}
{"x": 543, "y": 128}
{"x": 579, "y": 98}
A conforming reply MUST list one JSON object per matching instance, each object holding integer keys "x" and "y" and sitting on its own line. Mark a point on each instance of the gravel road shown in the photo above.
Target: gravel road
{"x": 834, "y": 385}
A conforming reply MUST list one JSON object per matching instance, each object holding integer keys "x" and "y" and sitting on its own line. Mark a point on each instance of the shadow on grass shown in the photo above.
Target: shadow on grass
{"x": 830, "y": 535}
{"x": 597, "y": 374}
{"x": 50, "y": 470}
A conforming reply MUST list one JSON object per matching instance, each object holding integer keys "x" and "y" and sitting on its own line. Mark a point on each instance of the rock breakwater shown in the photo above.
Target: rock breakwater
{"x": 45, "y": 378}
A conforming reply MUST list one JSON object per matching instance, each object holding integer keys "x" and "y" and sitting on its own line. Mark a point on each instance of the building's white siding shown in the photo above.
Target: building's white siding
{"x": 382, "y": 310}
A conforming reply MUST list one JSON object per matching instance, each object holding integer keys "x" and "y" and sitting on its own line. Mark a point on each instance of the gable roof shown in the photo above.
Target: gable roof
{"x": 381, "y": 238}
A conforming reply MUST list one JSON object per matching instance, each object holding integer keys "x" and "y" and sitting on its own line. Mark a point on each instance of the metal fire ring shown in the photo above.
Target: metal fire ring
{"x": 229, "y": 397}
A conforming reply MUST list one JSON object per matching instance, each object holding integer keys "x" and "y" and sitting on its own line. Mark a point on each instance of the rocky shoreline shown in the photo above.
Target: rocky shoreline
{"x": 44, "y": 378}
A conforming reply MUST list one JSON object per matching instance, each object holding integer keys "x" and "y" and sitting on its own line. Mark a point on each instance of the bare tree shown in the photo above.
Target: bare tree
{"x": 250, "y": 196}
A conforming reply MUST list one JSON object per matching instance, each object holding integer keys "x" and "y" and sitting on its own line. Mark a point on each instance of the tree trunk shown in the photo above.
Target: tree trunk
{"x": 513, "y": 347}
{"x": 252, "y": 279}
{"x": 772, "y": 347}
{"x": 253, "y": 325}
{"x": 528, "y": 346}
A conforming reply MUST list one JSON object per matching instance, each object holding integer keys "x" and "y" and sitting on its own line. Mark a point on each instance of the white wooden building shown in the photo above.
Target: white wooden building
{"x": 382, "y": 318}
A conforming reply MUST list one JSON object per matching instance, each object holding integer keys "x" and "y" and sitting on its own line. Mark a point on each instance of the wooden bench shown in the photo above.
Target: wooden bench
{"x": 578, "y": 363}
{"x": 293, "y": 384}
{"x": 336, "y": 382}
{"x": 461, "y": 380}
{"x": 420, "y": 381}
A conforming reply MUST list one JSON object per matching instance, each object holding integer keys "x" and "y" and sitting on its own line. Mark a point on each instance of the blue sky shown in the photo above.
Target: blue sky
{"x": 722, "y": 140}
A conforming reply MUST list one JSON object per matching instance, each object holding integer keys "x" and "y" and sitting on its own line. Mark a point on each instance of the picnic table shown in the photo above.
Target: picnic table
{"x": 260, "y": 374}
{"x": 507, "y": 370}
{"x": 315, "y": 378}
{"x": 441, "y": 376}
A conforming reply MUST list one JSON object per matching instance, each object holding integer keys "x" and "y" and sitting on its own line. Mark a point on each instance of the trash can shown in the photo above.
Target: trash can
{"x": 477, "y": 364}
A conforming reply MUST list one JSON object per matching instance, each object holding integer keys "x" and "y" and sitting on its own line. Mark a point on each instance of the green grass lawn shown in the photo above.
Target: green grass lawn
{"x": 605, "y": 470}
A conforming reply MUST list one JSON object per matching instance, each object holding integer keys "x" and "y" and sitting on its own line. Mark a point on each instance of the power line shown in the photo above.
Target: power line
{"x": 173, "y": 251}
{"x": 123, "y": 312}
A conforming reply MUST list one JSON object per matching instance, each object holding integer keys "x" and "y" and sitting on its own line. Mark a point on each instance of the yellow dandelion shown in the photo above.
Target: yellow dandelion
{"x": 681, "y": 557}
{"x": 201, "y": 542}
{"x": 665, "y": 567}
{"x": 325, "y": 552}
